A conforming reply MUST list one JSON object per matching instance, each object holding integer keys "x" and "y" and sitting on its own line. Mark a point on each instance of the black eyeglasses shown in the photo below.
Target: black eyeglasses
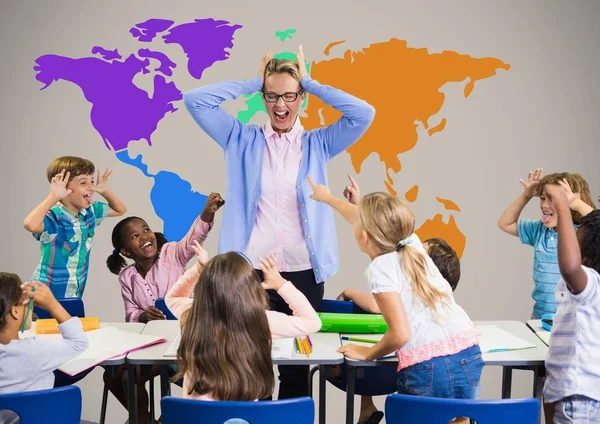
{"x": 287, "y": 97}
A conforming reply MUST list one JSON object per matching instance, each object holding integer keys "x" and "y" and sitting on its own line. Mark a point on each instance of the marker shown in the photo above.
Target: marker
{"x": 358, "y": 339}
{"x": 29, "y": 307}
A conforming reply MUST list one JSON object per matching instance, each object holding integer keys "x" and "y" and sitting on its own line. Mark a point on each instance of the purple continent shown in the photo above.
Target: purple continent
{"x": 146, "y": 31}
{"x": 166, "y": 65}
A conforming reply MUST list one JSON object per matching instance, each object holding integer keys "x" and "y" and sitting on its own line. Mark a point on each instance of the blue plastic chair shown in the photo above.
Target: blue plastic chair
{"x": 160, "y": 304}
{"x": 73, "y": 305}
{"x": 426, "y": 410}
{"x": 287, "y": 411}
{"x": 372, "y": 381}
{"x": 54, "y": 406}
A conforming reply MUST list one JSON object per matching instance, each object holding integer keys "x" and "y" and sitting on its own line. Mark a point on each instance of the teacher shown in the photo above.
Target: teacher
{"x": 268, "y": 209}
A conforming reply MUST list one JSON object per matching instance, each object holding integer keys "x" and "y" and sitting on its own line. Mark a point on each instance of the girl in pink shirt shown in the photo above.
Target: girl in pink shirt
{"x": 225, "y": 350}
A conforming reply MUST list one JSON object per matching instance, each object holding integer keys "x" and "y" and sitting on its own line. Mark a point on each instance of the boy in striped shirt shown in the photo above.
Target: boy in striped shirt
{"x": 573, "y": 364}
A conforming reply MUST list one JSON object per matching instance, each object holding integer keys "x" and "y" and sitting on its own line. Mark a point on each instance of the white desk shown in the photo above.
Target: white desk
{"x": 530, "y": 359}
{"x": 325, "y": 346}
{"x": 536, "y": 326}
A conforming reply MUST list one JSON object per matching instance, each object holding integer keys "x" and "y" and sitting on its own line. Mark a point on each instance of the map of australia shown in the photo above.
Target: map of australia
{"x": 123, "y": 112}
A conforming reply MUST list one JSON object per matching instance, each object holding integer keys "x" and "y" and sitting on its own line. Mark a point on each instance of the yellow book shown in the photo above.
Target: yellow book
{"x": 50, "y": 326}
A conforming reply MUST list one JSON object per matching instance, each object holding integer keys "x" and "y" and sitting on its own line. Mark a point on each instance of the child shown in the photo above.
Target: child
{"x": 225, "y": 350}
{"x": 65, "y": 224}
{"x": 437, "y": 344}
{"x": 157, "y": 263}
{"x": 445, "y": 259}
{"x": 541, "y": 234}
{"x": 29, "y": 364}
{"x": 572, "y": 385}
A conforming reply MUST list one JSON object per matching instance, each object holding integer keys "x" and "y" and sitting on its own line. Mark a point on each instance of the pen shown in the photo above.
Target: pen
{"x": 358, "y": 339}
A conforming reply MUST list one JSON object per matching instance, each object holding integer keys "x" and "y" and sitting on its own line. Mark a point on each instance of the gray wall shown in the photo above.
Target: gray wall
{"x": 541, "y": 113}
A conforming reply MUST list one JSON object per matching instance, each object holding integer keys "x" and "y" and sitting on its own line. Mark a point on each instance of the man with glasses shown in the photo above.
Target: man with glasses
{"x": 269, "y": 210}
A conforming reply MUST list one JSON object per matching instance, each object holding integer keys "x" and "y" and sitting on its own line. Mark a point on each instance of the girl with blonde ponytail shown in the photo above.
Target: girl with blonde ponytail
{"x": 436, "y": 343}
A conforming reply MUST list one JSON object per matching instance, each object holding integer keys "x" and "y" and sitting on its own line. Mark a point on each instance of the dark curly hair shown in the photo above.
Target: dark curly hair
{"x": 445, "y": 259}
{"x": 115, "y": 262}
{"x": 10, "y": 294}
{"x": 590, "y": 242}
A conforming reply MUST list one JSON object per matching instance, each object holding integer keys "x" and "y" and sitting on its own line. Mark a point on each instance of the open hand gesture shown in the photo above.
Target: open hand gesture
{"x": 301, "y": 63}
{"x": 572, "y": 198}
{"x": 201, "y": 254}
{"x": 58, "y": 185}
{"x": 263, "y": 64}
{"x": 533, "y": 180}
{"x": 272, "y": 277}
{"x": 352, "y": 192}
{"x": 102, "y": 181}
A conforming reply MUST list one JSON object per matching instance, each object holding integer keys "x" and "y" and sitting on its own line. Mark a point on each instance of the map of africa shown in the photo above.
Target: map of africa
{"x": 123, "y": 112}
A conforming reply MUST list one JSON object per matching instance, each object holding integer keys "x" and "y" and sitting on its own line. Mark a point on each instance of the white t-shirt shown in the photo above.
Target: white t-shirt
{"x": 445, "y": 331}
{"x": 573, "y": 361}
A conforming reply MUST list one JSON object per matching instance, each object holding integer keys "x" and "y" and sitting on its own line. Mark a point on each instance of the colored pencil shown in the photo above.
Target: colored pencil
{"x": 359, "y": 339}
{"x": 309, "y": 341}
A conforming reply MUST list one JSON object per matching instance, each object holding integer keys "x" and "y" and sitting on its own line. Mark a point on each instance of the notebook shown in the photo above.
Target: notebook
{"x": 494, "y": 339}
{"x": 280, "y": 349}
{"x": 106, "y": 343}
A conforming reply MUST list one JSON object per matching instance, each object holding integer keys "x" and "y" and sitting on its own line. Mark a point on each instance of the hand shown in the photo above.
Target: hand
{"x": 272, "y": 277}
{"x": 352, "y": 192}
{"x": 263, "y": 64}
{"x": 354, "y": 351}
{"x": 154, "y": 314}
{"x": 301, "y": 63}
{"x": 533, "y": 180}
{"x": 213, "y": 203}
{"x": 42, "y": 296}
{"x": 102, "y": 182}
{"x": 556, "y": 194}
{"x": 321, "y": 193}
{"x": 572, "y": 198}
{"x": 342, "y": 296}
{"x": 201, "y": 254}
{"x": 58, "y": 185}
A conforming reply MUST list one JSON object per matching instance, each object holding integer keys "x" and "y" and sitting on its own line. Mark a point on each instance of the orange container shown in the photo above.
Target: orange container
{"x": 50, "y": 326}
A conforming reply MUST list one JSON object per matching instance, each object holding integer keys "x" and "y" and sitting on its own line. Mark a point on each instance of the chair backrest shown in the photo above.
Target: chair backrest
{"x": 73, "y": 305}
{"x": 54, "y": 406}
{"x": 425, "y": 410}
{"x": 287, "y": 411}
{"x": 160, "y": 304}
{"x": 340, "y": 307}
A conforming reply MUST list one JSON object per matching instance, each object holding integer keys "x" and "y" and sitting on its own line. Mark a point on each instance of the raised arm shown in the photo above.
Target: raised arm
{"x": 508, "y": 220}
{"x": 34, "y": 222}
{"x": 321, "y": 193}
{"x": 116, "y": 205}
{"x": 357, "y": 115}
{"x": 569, "y": 254}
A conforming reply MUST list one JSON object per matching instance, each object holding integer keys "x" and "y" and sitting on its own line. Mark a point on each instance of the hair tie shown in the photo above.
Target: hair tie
{"x": 115, "y": 251}
{"x": 404, "y": 242}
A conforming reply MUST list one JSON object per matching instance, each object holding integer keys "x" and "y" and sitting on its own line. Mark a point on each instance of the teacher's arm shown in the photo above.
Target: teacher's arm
{"x": 204, "y": 104}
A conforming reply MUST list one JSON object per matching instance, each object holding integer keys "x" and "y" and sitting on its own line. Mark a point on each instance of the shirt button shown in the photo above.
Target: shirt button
{"x": 317, "y": 270}
{"x": 312, "y": 253}
{"x": 298, "y": 187}
{"x": 305, "y": 220}
{"x": 302, "y": 204}
{"x": 308, "y": 236}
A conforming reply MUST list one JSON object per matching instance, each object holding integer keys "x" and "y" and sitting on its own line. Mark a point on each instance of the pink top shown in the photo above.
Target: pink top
{"x": 139, "y": 293}
{"x": 278, "y": 227}
{"x": 304, "y": 321}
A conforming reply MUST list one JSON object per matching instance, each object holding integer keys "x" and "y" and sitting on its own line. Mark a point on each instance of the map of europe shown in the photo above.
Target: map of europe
{"x": 123, "y": 112}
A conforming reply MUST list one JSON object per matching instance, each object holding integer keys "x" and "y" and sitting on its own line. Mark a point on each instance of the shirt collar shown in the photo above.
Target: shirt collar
{"x": 290, "y": 136}
{"x": 68, "y": 212}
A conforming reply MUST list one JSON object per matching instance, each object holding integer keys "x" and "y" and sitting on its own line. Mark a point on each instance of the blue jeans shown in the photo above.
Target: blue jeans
{"x": 454, "y": 376}
{"x": 577, "y": 409}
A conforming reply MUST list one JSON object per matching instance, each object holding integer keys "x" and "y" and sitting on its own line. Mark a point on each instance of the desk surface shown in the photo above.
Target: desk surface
{"x": 524, "y": 357}
{"x": 133, "y": 327}
{"x": 536, "y": 326}
{"x": 325, "y": 346}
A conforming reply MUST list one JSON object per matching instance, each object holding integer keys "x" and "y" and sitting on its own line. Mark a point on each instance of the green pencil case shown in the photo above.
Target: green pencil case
{"x": 352, "y": 323}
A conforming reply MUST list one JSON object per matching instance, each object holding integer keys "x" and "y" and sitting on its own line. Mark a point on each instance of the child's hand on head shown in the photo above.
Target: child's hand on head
{"x": 557, "y": 193}
{"x": 213, "y": 203}
{"x": 572, "y": 198}
{"x": 321, "y": 193}
{"x": 102, "y": 182}
{"x": 352, "y": 192}
{"x": 533, "y": 180}
{"x": 58, "y": 185}
{"x": 42, "y": 296}
{"x": 272, "y": 277}
{"x": 201, "y": 255}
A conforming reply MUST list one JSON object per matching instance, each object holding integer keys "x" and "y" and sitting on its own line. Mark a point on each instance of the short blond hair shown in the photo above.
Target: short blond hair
{"x": 72, "y": 164}
{"x": 282, "y": 66}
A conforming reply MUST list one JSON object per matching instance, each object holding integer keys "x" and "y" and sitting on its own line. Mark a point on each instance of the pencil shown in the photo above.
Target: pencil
{"x": 309, "y": 341}
{"x": 359, "y": 339}
{"x": 307, "y": 347}
{"x": 297, "y": 343}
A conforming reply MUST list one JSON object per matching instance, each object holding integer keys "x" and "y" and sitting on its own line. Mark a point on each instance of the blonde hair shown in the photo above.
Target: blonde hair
{"x": 282, "y": 66}
{"x": 225, "y": 348}
{"x": 388, "y": 220}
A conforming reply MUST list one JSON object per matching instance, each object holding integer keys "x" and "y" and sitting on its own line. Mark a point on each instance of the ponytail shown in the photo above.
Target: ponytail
{"x": 115, "y": 262}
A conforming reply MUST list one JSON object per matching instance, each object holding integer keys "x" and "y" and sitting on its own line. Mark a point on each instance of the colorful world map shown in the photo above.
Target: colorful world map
{"x": 122, "y": 112}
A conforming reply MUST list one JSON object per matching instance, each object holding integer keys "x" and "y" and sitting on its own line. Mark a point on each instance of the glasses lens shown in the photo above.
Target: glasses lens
{"x": 290, "y": 97}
